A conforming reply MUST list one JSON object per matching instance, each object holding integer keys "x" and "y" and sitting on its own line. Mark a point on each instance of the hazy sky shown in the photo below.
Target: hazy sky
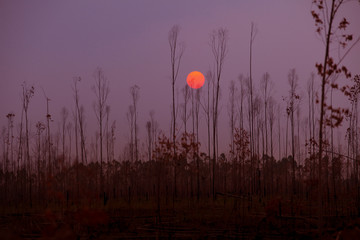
{"x": 47, "y": 43}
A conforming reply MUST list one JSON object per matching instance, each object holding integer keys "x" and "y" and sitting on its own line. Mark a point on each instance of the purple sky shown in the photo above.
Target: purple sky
{"x": 47, "y": 43}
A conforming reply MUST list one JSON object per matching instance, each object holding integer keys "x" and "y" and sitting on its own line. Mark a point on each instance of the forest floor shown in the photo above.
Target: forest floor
{"x": 223, "y": 218}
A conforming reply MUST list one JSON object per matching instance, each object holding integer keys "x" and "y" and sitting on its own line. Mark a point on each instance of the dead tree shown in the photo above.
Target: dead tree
{"x": 176, "y": 52}
{"x": 149, "y": 140}
{"x": 241, "y": 97}
{"x": 271, "y": 126}
{"x": 291, "y": 108}
{"x": 130, "y": 117}
{"x": 311, "y": 121}
{"x": 40, "y": 127}
{"x": 207, "y": 108}
{"x": 28, "y": 93}
{"x": 185, "y": 115}
{"x": 134, "y": 91}
{"x": 196, "y": 139}
{"x": 232, "y": 116}
{"x": 101, "y": 90}
{"x": 79, "y": 125}
{"x": 218, "y": 44}
{"x": 64, "y": 115}
{"x": 253, "y": 33}
{"x": 266, "y": 87}
{"x": 9, "y": 140}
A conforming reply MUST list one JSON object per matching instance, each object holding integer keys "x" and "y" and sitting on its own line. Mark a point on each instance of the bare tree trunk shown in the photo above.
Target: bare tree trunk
{"x": 130, "y": 118}
{"x": 253, "y": 33}
{"x": 207, "y": 108}
{"x": 176, "y": 52}
{"x": 64, "y": 114}
{"x": 266, "y": 86}
{"x": 101, "y": 90}
{"x": 231, "y": 112}
{"x": 279, "y": 131}
{"x": 148, "y": 130}
{"x": 219, "y": 49}
{"x": 292, "y": 106}
{"x": 134, "y": 91}
{"x": 38, "y": 127}
{"x": 196, "y": 139}
{"x": 271, "y": 125}
{"x": 27, "y": 95}
{"x": 48, "y": 119}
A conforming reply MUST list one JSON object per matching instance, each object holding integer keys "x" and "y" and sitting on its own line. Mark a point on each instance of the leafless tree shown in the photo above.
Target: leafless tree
{"x": 10, "y": 139}
{"x": 271, "y": 126}
{"x": 69, "y": 129}
{"x": 8, "y": 150}
{"x": 149, "y": 141}
{"x": 253, "y": 33}
{"x": 279, "y": 129}
{"x": 101, "y": 90}
{"x": 107, "y": 134}
{"x": 112, "y": 141}
{"x": 64, "y": 116}
{"x": 207, "y": 108}
{"x": 232, "y": 116}
{"x": 48, "y": 134}
{"x": 176, "y": 52}
{"x": 292, "y": 102}
{"x": 311, "y": 119}
{"x": 241, "y": 97}
{"x": 40, "y": 127}
{"x": 79, "y": 118}
{"x": 232, "y": 123}
{"x": 185, "y": 115}
{"x": 130, "y": 117}
{"x": 80, "y": 121}
{"x": 154, "y": 129}
{"x": 28, "y": 93}
{"x": 196, "y": 139}
{"x": 218, "y": 44}
{"x": 134, "y": 91}
{"x": 266, "y": 86}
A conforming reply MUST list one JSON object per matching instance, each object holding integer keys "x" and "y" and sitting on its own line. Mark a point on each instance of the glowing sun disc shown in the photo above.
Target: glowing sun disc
{"x": 195, "y": 79}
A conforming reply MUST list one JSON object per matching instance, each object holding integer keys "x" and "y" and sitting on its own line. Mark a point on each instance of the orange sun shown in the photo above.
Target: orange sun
{"x": 195, "y": 79}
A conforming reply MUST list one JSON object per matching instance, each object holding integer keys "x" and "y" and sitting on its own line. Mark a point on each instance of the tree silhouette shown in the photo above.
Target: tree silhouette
{"x": 101, "y": 90}
{"x": 218, "y": 44}
{"x": 325, "y": 17}
{"x": 176, "y": 52}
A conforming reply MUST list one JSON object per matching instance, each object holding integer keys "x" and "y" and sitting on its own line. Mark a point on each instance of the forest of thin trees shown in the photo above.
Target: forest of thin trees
{"x": 286, "y": 152}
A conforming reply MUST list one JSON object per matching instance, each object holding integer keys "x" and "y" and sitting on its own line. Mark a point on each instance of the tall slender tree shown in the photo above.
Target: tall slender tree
{"x": 134, "y": 91}
{"x": 219, "y": 48}
{"x": 232, "y": 116}
{"x": 325, "y": 15}
{"x": 101, "y": 90}
{"x": 291, "y": 109}
{"x": 64, "y": 116}
{"x": 130, "y": 117}
{"x": 253, "y": 33}
{"x": 28, "y": 93}
{"x": 266, "y": 87}
{"x": 79, "y": 118}
{"x": 176, "y": 52}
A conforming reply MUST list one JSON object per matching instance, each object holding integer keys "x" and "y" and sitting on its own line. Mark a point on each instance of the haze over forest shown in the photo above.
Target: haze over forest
{"x": 96, "y": 114}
